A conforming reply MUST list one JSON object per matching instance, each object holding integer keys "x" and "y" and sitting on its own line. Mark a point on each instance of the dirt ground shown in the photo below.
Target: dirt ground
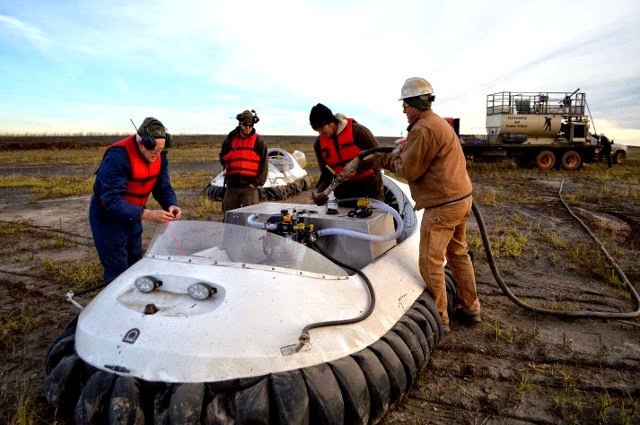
{"x": 516, "y": 367}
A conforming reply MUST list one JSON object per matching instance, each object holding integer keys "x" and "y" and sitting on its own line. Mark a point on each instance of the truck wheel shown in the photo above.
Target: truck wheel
{"x": 618, "y": 158}
{"x": 545, "y": 160}
{"x": 571, "y": 160}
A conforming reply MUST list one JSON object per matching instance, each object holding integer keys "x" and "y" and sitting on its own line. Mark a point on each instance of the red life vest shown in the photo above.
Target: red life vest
{"x": 242, "y": 158}
{"x": 348, "y": 150}
{"x": 143, "y": 174}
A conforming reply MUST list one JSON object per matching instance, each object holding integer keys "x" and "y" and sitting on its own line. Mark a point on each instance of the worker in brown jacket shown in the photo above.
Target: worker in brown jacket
{"x": 434, "y": 165}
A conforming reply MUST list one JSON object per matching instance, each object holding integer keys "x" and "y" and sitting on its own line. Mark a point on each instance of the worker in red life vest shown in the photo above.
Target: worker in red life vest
{"x": 341, "y": 139}
{"x": 244, "y": 158}
{"x": 130, "y": 171}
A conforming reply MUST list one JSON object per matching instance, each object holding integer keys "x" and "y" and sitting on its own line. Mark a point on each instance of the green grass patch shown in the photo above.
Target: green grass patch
{"x": 13, "y": 228}
{"x": 484, "y": 196}
{"x": 521, "y": 382}
{"x": 556, "y": 240}
{"x": 505, "y": 241}
{"x": 15, "y": 324}
{"x": 39, "y": 157}
{"x": 190, "y": 180}
{"x": 76, "y": 275}
{"x": 201, "y": 208}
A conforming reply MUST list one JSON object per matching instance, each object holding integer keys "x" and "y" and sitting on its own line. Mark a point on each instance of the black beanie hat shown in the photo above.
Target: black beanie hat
{"x": 422, "y": 102}
{"x": 321, "y": 115}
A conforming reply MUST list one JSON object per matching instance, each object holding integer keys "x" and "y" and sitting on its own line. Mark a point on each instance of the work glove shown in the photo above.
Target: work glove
{"x": 400, "y": 142}
{"x": 319, "y": 198}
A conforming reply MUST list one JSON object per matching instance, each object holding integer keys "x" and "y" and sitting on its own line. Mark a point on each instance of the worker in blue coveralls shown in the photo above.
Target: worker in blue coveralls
{"x": 130, "y": 171}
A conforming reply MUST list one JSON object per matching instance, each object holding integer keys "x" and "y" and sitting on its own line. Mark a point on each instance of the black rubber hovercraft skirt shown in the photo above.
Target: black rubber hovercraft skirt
{"x": 266, "y": 193}
{"x": 357, "y": 389}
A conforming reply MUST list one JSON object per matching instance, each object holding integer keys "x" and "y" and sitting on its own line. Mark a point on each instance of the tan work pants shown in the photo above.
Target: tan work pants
{"x": 443, "y": 233}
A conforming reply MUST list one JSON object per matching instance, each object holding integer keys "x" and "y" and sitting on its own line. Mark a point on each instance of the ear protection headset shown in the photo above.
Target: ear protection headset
{"x": 240, "y": 117}
{"x": 149, "y": 142}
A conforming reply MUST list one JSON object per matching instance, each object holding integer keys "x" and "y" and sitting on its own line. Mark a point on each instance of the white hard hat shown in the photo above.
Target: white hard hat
{"x": 415, "y": 86}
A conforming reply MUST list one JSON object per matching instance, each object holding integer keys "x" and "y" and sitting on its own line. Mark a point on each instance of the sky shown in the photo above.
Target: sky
{"x": 69, "y": 67}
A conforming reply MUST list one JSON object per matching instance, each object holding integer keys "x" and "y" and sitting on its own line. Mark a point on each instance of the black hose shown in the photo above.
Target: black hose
{"x": 92, "y": 288}
{"x": 304, "y": 335}
{"x": 369, "y": 151}
{"x": 520, "y": 303}
{"x": 352, "y": 166}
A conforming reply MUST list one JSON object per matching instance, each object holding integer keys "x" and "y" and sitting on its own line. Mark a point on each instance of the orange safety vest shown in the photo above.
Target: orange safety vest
{"x": 143, "y": 174}
{"x": 242, "y": 158}
{"x": 348, "y": 150}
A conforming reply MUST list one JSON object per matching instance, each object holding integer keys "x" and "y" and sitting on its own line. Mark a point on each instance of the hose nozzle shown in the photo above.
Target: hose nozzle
{"x": 347, "y": 172}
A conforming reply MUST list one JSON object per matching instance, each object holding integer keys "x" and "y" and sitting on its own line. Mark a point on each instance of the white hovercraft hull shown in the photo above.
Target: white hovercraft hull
{"x": 241, "y": 332}
{"x": 228, "y": 358}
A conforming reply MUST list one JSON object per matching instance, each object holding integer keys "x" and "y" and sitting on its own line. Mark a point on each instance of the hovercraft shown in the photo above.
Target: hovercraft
{"x": 286, "y": 177}
{"x": 249, "y": 321}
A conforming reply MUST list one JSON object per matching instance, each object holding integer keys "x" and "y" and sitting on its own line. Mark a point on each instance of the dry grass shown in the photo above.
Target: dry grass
{"x": 63, "y": 186}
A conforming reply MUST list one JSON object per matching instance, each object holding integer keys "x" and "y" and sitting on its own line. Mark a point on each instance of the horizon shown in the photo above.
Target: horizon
{"x": 311, "y": 138}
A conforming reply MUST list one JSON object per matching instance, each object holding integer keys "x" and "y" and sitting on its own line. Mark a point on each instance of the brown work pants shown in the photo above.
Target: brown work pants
{"x": 236, "y": 197}
{"x": 443, "y": 234}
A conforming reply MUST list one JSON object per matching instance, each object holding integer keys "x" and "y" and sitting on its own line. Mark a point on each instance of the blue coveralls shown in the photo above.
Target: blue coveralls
{"x": 116, "y": 223}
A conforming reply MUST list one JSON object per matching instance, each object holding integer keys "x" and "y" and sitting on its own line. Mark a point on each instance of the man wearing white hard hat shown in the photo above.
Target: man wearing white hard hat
{"x": 434, "y": 165}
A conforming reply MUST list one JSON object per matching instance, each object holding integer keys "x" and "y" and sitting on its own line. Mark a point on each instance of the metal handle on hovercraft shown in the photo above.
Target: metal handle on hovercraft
{"x": 352, "y": 166}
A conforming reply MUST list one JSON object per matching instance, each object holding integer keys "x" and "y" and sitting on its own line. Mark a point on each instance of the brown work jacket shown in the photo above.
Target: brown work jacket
{"x": 432, "y": 162}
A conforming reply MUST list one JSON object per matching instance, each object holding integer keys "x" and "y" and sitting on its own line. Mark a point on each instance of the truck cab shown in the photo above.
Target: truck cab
{"x": 618, "y": 152}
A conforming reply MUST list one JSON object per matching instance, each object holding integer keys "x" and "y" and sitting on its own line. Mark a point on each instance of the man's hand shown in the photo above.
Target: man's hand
{"x": 350, "y": 170}
{"x": 377, "y": 159}
{"x": 175, "y": 211}
{"x": 367, "y": 163}
{"x": 158, "y": 216}
{"x": 319, "y": 198}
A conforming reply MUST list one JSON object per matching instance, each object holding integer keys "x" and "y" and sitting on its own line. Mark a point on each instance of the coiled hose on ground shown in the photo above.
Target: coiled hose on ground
{"x": 579, "y": 313}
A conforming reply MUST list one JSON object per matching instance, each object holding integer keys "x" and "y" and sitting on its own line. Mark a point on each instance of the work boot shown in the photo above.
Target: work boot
{"x": 468, "y": 319}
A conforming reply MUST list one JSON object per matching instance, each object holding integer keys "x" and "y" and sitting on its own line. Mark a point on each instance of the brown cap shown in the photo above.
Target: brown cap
{"x": 246, "y": 117}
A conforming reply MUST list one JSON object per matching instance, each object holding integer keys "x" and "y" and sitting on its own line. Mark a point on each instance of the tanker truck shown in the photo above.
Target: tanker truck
{"x": 543, "y": 129}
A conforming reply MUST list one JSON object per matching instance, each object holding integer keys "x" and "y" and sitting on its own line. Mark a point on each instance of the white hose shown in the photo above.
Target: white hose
{"x": 251, "y": 221}
{"x": 366, "y": 236}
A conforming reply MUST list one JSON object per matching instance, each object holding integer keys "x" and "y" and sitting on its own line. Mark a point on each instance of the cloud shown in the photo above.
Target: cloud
{"x": 18, "y": 30}
{"x": 202, "y": 61}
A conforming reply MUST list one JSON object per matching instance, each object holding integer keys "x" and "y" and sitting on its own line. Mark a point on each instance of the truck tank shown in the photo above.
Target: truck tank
{"x": 536, "y": 117}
